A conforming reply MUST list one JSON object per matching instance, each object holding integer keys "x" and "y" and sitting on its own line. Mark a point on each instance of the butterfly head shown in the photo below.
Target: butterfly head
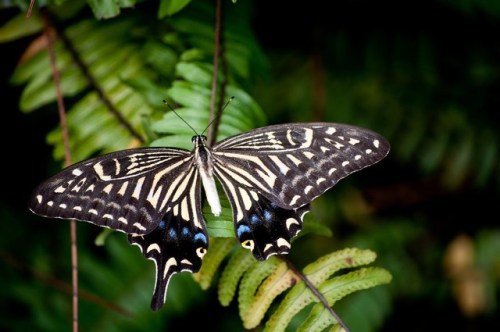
{"x": 199, "y": 140}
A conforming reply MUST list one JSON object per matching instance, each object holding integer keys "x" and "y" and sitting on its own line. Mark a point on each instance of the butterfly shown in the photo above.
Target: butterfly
{"x": 270, "y": 176}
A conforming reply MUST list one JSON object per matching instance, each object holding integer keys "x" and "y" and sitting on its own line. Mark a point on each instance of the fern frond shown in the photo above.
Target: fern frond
{"x": 107, "y": 113}
{"x": 325, "y": 266}
{"x": 318, "y": 273}
{"x": 260, "y": 284}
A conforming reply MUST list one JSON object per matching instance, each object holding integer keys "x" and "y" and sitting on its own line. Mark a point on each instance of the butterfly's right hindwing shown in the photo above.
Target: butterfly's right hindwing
{"x": 126, "y": 190}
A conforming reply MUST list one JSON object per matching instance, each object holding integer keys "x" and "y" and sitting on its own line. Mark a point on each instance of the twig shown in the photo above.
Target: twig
{"x": 48, "y": 32}
{"x": 30, "y": 9}
{"x": 212, "y": 131}
{"x": 222, "y": 92}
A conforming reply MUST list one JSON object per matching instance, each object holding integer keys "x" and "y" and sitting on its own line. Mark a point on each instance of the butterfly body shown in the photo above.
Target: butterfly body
{"x": 204, "y": 163}
{"x": 269, "y": 174}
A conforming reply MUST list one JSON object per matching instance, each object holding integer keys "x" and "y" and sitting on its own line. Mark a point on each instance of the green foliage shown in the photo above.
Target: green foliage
{"x": 104, "y": 50}
{"x": 108, "y": 9}
{"x": 19, "y": 27}
{"x": 333, "y": 289}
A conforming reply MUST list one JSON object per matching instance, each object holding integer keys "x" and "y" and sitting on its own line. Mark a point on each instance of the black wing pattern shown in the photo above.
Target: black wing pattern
{"x": 273, "y": 173}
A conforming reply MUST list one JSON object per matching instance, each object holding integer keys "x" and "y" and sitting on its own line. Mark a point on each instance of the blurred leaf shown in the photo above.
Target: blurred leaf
{"x": 19, "y": 27}
{"x": 170, "y": 7}
{"x": 108, "y": 8}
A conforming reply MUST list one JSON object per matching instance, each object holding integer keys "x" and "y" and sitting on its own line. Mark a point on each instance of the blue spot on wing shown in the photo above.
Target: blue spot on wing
{"x": 162, "y": 224}
{"x": 200, "y": 237}
{"x": 268, "y": 216}
{"x": 254, "y": 219}
{"x": 172, "y": 233}
{"x": 242, "y": 229}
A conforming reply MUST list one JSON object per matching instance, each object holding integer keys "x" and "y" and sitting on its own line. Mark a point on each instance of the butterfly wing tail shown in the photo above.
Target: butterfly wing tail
{"x": 174, "y": 246}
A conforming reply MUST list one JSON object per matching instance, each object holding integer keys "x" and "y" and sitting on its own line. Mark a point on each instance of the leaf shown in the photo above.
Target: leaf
{"x": 238, "y": 264}
{"x": 19, "y": 27}
{"x": 260, "y": 283}
{"x": 276, "y": 283}
{"x": 251, "y": 281}
{"x": 108, "y": 9}
{"x": 318, "y": 273}
{"x": 327, "y": 265}
{"x": 170, "y": 7}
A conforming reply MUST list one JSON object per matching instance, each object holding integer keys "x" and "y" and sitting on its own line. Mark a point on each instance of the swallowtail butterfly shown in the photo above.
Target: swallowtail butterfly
{"x": 153, "y": 194}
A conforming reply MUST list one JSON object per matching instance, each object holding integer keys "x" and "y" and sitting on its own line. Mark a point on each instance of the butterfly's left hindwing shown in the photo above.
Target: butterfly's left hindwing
{"x": 260, "y": 225}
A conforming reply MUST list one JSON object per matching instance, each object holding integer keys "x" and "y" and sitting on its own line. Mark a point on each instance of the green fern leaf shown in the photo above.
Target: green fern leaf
{"x": 237, "y": 265}
{"x": 251, "y": 281}
{"x": 276, "y": 283}
{"x": 324, "y": 267}
{"x": 219, "y": 249}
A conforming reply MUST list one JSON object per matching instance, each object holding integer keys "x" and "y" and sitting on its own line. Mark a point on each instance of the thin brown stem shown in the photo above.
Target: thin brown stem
{"x": 49, "y": 34}
{"x": 222, "y": 92}
{"x": 30, "y": 9}
{"x": 212, "y": 130}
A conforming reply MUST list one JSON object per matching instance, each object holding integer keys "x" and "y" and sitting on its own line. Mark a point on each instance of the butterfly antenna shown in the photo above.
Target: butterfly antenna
{"x": 215, "y": 118}
{"x": 180, "y": 117}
